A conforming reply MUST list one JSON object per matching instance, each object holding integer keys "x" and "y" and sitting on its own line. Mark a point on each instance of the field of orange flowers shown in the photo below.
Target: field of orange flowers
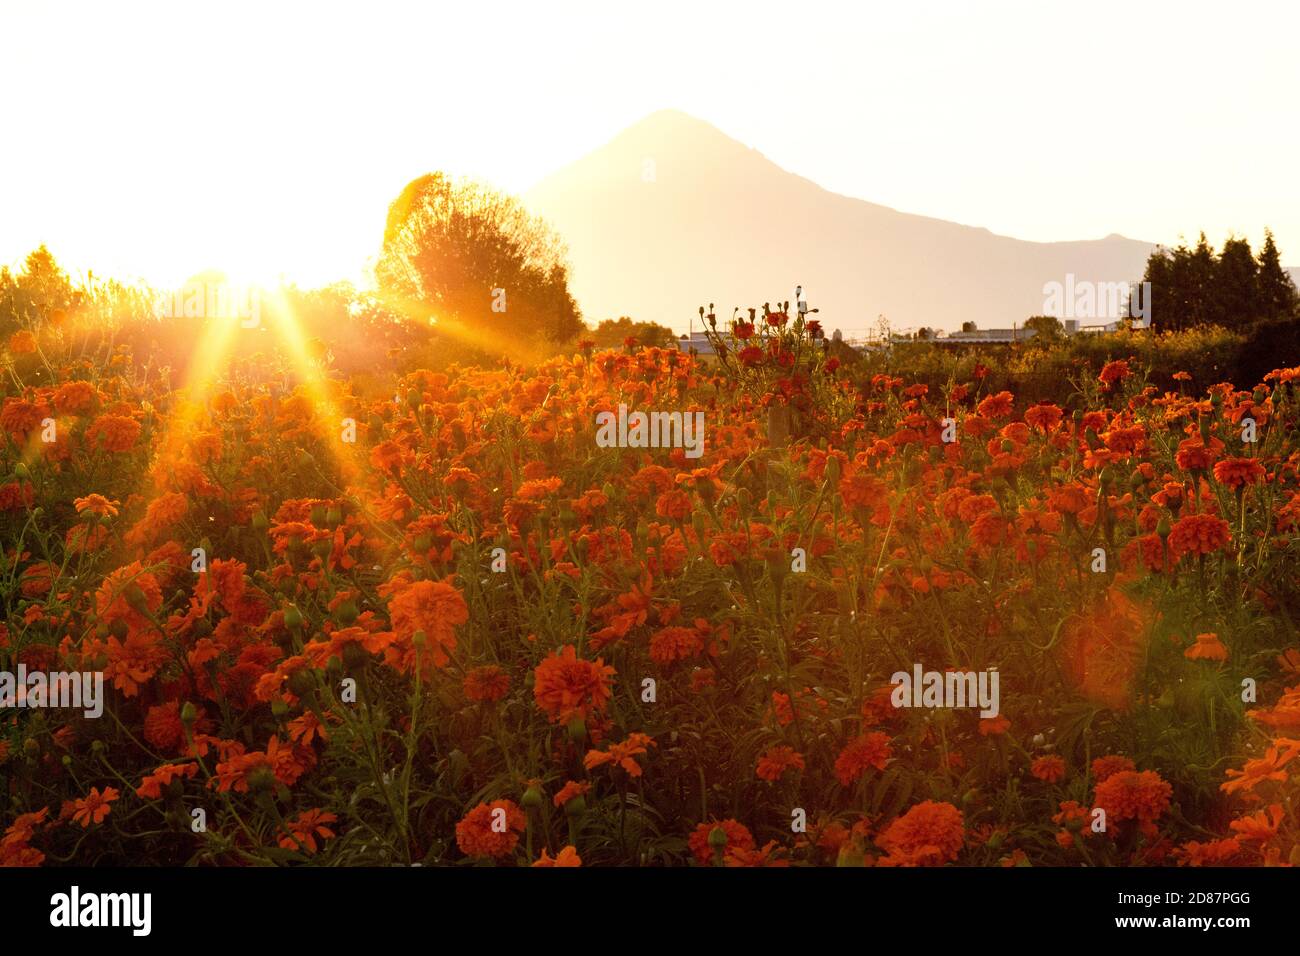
{"x": 441, "y": 625}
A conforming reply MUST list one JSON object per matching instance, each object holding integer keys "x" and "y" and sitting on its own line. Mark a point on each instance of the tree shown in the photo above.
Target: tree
{"x": 612, "y": 334}
{"x": 475, "y": 261}
{"x": 1236, "y": 284}
{"x": 1198, "y": 281}
{"x": 1046, "y": 328}
{"x": 41, "y": 288}
{"x": 1276, "y": 290}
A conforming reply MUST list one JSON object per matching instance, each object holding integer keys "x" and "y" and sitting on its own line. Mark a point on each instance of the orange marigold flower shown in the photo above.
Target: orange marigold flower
{"x": 22, "y": 342}
{"x": 670, "y": 644}
{"x": 1199, "y": 534}
{"x": 1113, "y": 372}
{"x": 929, "y": 834}
{"x": 114, "y": 433}
{"x": 565, "y": 686}
{"x": 773, "y": 764}
{"x": 1216, "y": 853}
{"x": 129, "y": 594}
{"x": 868, "y": 750}
{"x": 569, "y": 791}
{"x": 1129, "y": 795}
{"x": 151, "y": 786}
{"x": 1259, "y": 827}
{"x": 1111, "y": 764}
{"x": 435, "y": 608}
{"x": 621, "y": 754}
{"x": 94, "y": 806}
{"x": 993, "y": 726}
{"x": 1194, "y": 455}
{"x": 1208, "y": 647}
{"x": 491, "y": 829}
{"x": 163, "y": 728}
{"x": 488, "y": 683}
{"x": 1043, "y": 416}
{"x": 568, "y": 857}
{"x": 305, "y": 828}
{"x": 1049, "y": 769}
{"x": 1261, "y": 769}
{"x": 674, "y": 505}
{"x": 1238, "y": 472}
{"x": 996, "y": 406}
{"x": 133, "y": 661}
{"x": 735, "y": 838}
{"x": 97, "y": 505}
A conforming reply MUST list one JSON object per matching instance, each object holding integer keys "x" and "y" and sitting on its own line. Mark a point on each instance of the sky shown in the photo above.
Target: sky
{"x": 153, "y": 140}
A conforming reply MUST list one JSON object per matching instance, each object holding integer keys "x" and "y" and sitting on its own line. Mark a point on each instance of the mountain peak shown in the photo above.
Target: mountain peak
{"x": 673, "y": 212}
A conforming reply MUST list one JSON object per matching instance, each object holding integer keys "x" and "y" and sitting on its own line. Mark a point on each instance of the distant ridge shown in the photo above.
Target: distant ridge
{"x": 672, "y": 214}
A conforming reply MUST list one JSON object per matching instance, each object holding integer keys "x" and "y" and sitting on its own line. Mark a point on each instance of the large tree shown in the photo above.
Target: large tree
{"x": 1277, "y": 292}
{"x": 462, "y": 254}
{"x": 1236, "y": 282}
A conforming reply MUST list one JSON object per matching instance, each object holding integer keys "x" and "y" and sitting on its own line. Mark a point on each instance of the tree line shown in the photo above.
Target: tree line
{"x": 1234, "y": 288}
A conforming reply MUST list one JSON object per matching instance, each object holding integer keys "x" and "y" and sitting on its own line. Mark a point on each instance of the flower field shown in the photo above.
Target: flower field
{"x": 438, "y": 623}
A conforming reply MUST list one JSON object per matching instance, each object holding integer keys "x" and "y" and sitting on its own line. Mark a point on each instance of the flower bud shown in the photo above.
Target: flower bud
{"x": 577, "y": 730}
{"x": 346, "y": 612}
{"x": 189, "y": 713}
{"x": 833, "y": 469}
{"x": 261, "y": 780}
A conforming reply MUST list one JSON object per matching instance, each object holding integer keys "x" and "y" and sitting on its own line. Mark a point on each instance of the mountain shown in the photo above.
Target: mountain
{"x": 673, "y": 214}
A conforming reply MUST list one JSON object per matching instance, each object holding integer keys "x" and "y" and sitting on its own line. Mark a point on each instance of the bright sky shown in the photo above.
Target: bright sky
{"x": 156, "y": 139}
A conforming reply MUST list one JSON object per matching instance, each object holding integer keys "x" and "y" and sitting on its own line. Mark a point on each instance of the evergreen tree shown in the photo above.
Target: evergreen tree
{"x": 1276, "y": 291}
{"x": 1236, "y": 285}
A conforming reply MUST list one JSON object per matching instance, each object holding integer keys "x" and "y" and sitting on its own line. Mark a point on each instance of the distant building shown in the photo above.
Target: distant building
{"x": 986, "y": 337}
{"x": 698, "y": 341}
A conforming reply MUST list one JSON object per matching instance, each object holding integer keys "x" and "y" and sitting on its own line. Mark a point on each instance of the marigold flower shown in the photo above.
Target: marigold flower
{"x": 621, "y": 754}
{"x": 566, "y": 686}
{"x": 735, "y": 837}
{"x": 568, "y": 857}
{"x": 1111, "y": 764}
{"x": 868, "y": 750}
{"x": 488, "y": 683}
{"x": 1129, "y": 795}
{"x": 435, "y": 608}
{"x": 305, "y": 828}
{"x": 22, "y": 342}
{"x": 569, "y": 791}
{"x": 773, "y": 764}
{"x": 1049, "y": 769}
{"x": 491, "y": 830}
{"x": 1199, "y": 534}
{"x": 94, "y": 806}
{"x": 996, "y": 406}
{"x": 113, "y": 433}
{"x": 1208, "y": 647}
{"x": 929, "y": 834}
{"x": 1236, "y": 473}
{"x": 97, "y": 505}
